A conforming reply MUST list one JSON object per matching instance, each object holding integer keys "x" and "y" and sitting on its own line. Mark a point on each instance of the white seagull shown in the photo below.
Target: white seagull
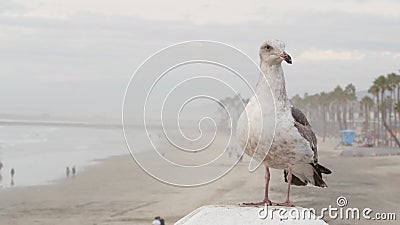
{"x": 294, "y": 146}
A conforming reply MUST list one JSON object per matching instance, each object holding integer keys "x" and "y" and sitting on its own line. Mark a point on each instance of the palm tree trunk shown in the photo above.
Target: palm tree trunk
{"x": 324, "y": 123}
{"x": 390, "y": 131}
{"x": 345, "y": 117}
{"x": 338, "y": 116}
{"x": 396, "y": 115}
{"x": 374, "y": 118}
{"x": 379, "y": 121}
{"x": 383, "y": 111}
{"x": 390, "y": 121}
{"x": 366, "y": 117}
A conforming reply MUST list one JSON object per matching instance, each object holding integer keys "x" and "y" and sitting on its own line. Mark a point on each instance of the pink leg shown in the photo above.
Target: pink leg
{"x": 289, "y": 180}
{"x": 266, "y": 200}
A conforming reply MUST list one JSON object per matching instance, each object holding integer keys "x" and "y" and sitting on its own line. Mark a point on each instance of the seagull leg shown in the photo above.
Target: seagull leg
{"x": 289, "y": 180}
{"x": 266, "y": 200}
{"x": 267, "y": 178}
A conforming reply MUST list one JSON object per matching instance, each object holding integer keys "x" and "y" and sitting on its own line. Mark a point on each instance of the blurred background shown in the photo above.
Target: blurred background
{"x": 65, "y": 66}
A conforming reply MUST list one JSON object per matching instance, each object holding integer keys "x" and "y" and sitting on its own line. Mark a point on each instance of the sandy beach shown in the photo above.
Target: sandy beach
{"x": 117, "y": 191}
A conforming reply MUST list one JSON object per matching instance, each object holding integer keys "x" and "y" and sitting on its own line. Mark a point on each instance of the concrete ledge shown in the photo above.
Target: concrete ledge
{"x": 240, "y": 215}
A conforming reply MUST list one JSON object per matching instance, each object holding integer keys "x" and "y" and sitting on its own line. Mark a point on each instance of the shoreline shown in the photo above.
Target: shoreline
{"x": 40, "y": 155}
{"x": 80, "y": 168}
{"x": 62, "y": 180}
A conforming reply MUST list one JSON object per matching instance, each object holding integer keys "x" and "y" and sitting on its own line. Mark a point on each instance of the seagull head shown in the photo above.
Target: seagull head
{"x": 273, "y": 52}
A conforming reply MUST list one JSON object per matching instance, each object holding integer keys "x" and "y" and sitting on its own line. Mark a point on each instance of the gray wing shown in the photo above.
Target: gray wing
{"x": 299, "y": 117}
{"x": 305, "y": 130}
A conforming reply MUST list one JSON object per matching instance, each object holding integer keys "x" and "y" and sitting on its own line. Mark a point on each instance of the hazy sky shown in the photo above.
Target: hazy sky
{"x": 76, "y": 57}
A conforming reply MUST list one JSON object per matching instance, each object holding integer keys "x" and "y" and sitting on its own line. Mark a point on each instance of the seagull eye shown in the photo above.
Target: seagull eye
{"x": 268, "y": 47}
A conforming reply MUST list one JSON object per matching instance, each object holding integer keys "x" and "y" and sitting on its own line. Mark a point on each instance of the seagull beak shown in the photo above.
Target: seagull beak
{"x": 286, "y": 57}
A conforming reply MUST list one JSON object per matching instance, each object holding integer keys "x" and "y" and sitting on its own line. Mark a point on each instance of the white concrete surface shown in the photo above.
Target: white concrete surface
{"x": 242, "y": 215}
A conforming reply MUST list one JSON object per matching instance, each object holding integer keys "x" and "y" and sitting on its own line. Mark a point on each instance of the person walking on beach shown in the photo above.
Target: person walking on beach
{"x": 73, "y": 170}
{"x": 67, "y": 171}
{"x": 12, "y": 176}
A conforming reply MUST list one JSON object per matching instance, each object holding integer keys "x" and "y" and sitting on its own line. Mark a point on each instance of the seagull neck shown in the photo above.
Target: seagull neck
{"x": 276, "y": 80}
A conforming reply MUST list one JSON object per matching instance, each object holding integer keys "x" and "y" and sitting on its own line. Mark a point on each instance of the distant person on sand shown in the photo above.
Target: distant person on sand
{"x": 67, "y": 171}
{"x": 156, "y": 221}
{"x": 1, "y": 165}
{"x": 73, "y": 171}
{"x": 12, "y": 173}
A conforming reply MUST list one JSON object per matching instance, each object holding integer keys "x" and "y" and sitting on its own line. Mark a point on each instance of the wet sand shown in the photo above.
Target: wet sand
{"x": 117, "y": 191}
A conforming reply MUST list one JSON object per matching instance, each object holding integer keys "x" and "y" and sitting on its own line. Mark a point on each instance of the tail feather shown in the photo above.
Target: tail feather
{"x": 323, "y": 169}
{"x": 303, "y": 174}
{"x": 295, "y": 180}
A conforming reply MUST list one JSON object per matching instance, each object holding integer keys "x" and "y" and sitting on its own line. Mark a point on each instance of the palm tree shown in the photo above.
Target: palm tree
{"x": 395, "y": 85}
{"x": 366, "y": 103}
{"x": 391, "y": 86}
{"x": 384, "y": 84}
{"x": 374, "y": 90}
{"x": 325, "y": 100}
{"x": 350, "y": 98}
{"x": 381, "y": 83}
{"x": 339, "y": 98}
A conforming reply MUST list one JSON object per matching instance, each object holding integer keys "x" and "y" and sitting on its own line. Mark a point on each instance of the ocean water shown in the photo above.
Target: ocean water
{"x": 40, "y": 155}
